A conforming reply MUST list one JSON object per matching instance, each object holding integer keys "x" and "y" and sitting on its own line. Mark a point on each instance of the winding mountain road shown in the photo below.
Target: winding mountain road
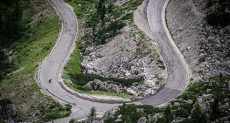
{"x": 155, "y": 26}
{"x": 153, "y": 17}
{"x": 52, "y": 67}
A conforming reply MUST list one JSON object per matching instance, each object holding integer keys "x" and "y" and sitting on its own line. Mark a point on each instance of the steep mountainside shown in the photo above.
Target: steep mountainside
{"x": 28, "y": 30}
{"x": 201, "y": 29}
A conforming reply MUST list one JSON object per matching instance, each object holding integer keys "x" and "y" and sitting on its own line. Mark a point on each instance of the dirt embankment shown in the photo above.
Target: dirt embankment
{"x": 203, "y": 41}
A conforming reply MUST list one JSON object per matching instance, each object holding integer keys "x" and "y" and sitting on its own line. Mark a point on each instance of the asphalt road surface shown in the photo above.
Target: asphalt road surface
{"x": 52, "y": 67}
{"x": 177, "y": 69}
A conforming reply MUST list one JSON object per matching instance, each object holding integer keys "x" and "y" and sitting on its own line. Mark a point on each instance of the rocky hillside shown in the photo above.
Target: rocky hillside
{"x": 115, "y": 55}
{"x": 201, "y": 30}
{"x": 128, "y": 59}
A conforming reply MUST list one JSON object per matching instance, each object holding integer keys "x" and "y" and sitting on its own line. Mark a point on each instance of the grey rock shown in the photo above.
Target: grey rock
{"x": 142, "y": 120}
{"x": 205, "y": 102}
{"x": 97, "y": 84}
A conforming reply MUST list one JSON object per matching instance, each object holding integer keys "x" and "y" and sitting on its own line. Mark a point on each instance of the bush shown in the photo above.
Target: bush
{"x": 57, "y": 112}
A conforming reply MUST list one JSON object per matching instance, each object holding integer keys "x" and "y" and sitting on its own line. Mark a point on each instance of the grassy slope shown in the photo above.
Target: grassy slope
{"x": 84, "y": 9}
{"x": 19, "y": 85}
{"x": 74, "y": 62}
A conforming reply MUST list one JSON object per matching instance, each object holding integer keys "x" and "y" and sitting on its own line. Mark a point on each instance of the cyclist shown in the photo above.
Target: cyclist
{"x": 50, "y": 80}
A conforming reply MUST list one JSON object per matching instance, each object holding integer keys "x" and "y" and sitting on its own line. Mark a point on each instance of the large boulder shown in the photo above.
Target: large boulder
{"x": 142, "y": 120}
{"x": 97, "y": 84}
{"x": 205, "y": 101}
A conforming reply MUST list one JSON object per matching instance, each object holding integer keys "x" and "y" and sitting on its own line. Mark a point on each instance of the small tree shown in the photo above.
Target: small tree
{"x": 92, "y": 115}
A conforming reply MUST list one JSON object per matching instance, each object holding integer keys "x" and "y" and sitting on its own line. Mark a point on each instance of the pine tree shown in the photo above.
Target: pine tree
{"x": 168, "y": 114}
{"x": 92, "y": 115}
